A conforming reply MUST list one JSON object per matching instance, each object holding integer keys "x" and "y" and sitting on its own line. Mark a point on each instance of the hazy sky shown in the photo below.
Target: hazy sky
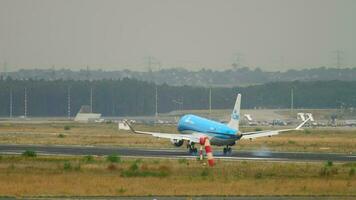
{"x": 270, "y": 34}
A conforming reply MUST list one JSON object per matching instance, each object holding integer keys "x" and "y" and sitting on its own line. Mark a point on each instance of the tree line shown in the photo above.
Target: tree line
{"x": 133, "y": 97}
{"x": 178, "y": 76}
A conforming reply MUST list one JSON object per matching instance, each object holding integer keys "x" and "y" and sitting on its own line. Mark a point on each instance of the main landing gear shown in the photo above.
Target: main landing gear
{"x": 192, "y": 149}
{"x": 227, "y": 150}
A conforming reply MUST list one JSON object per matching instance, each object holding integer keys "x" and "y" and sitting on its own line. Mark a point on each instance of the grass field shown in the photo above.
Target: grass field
{"x": 102, "y": 176}
{"x": 318, "y": 140}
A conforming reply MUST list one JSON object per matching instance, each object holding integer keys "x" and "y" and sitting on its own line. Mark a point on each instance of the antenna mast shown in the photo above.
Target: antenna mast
{"x": 292, "y": 100}
{"x": 156, "y": 104}
{"x": 91, "y": 100}
{"x": 68, "y": 102}
{"x": 10, "y": 109}
{"x": 25, "y": 114}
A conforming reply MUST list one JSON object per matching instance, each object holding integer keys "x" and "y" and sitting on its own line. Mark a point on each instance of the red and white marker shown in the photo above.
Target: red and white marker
{"x": 201, "y": 152}
{"x": 209, "y": 151}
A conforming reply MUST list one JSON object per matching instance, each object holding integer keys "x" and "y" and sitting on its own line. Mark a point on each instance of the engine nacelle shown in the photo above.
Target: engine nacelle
{"x": 177, "y": 143}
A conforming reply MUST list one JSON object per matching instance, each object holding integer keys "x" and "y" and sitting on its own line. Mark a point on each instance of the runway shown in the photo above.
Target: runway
{"x": 175, "y": 153}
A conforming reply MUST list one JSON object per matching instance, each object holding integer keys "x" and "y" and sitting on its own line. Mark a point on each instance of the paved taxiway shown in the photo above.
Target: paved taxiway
{"x": 175, "y": 153}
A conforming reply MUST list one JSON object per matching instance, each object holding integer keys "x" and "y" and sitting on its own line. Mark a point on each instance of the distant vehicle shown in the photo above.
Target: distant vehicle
{"x": 23, "y": 117}
{"x": 195, "y": 129}
{"x": 101, "y": 120}
{"x": 278, "y": 122}
{"x": 250, "y": 121}
{"x": 350, "y": 123}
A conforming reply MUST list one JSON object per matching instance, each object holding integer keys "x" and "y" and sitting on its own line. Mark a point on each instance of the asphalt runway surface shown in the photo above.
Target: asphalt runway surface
{"x": 175, "y": 153}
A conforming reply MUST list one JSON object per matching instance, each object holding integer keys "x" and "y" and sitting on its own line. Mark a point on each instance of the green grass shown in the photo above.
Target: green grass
{"x": 88, "y": 159}
{"x": 67, "y": 165}
{"x": 205, "y": 172}
{"x": 70, "y": 175}
{"x": 113, "y": 158}
{"x": 352, "y": 171}
{"x": 29, "y": 153}
{"x": 144, "y": 171}
{"x": 258, "y": 129}
{"x": 182, "y": 161}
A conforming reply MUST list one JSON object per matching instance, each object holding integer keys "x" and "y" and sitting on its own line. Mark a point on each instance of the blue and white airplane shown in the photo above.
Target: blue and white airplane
{"x": 193, "y": 128}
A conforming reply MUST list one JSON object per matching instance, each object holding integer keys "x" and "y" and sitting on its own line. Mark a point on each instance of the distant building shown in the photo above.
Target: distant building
{"x": 84, "y": 115}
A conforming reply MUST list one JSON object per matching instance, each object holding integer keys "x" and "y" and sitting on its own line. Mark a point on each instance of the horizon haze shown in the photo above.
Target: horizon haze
{"x": 114, "y": 35}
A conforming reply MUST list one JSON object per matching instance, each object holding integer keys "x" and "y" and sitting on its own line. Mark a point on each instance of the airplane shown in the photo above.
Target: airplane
{"x": 194, "y": 128}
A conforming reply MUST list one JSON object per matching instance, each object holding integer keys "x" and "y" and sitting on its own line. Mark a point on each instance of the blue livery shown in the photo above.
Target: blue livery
{"x": 220, "y": 133}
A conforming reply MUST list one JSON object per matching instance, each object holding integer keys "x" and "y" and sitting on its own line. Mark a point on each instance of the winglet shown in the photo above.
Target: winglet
{"x": 302, "y": 124}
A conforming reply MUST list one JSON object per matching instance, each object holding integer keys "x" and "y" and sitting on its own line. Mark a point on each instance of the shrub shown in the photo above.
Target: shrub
{"x": 121, "y": 190}
{"x": 329, "y": 163}
{"x": 306, "y": 131}
{"x": 113, "y": 158}
{"x": 258, "y": 129}
{"x": 152, "y": 173}
{"x": 67, "y": 165}
{"x": 205, "y": 172}
{"x": 328, "y": 170}
{"x": 182, "y": 161}
{"x": 67, "y": 127}
{"x": 134, "y": 171}
{"x": 137, "y": 173}
{"x": 134, "y": 167}
{"x": 258, "y": 175}
{"x": 29, "y": 153}
{"x": 291, "y": 142}
{"x": 61, "y": 135}
{"x": 352, "y": 172}
{"x": 88, "y": 158}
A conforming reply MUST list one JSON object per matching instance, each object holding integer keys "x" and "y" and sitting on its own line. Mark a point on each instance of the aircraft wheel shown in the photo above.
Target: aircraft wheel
{"x": 225, "y": 151}
{"x": 229, "y": 150}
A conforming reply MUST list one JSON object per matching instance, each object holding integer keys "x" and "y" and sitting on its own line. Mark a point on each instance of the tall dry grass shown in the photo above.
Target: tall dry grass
{"x": 21, "y": 176}
{"x": 319, "y": 140}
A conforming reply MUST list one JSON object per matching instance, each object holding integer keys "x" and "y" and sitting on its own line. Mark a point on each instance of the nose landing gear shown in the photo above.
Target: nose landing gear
{"x": 227, "y": 150}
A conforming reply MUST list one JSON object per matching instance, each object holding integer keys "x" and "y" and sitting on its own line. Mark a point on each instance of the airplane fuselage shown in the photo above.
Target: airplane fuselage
{"x": 220, "y": 133}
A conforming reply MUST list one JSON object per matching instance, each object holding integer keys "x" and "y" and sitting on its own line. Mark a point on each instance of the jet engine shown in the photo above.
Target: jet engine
{"x": 177, "y": 143}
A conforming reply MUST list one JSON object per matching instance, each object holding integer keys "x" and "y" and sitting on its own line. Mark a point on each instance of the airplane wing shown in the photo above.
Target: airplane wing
{"x": 256, "y": 134}
{"x": 189, "y": 137}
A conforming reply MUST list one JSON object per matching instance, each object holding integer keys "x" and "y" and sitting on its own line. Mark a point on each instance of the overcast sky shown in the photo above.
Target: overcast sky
{"x": 116, "y": 34}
